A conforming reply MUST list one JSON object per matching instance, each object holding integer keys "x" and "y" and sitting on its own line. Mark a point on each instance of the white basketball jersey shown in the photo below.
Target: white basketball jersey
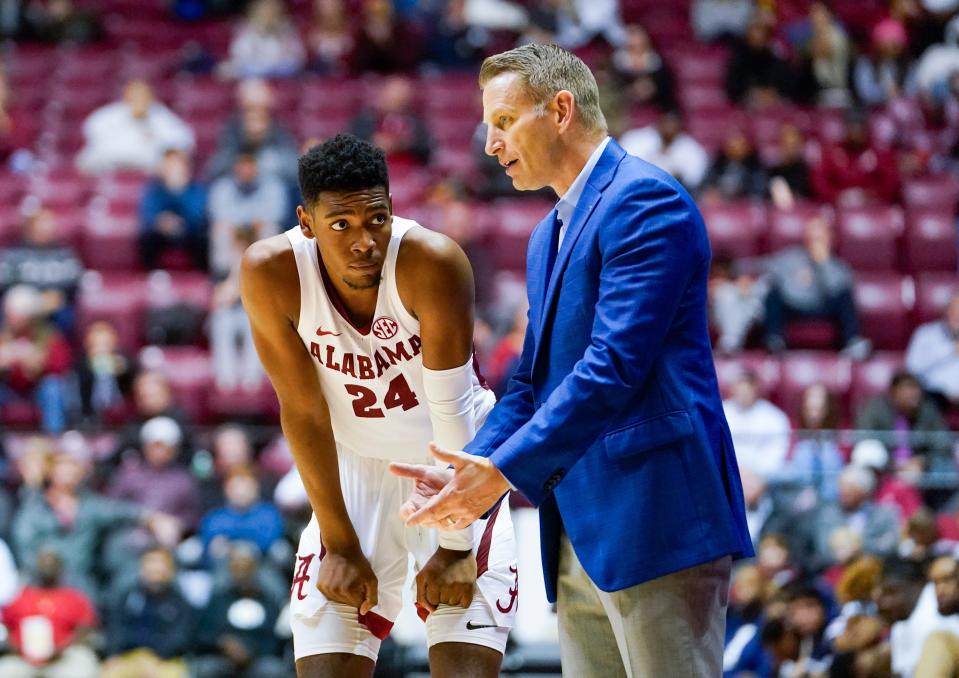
{"x": 372, "y": 377}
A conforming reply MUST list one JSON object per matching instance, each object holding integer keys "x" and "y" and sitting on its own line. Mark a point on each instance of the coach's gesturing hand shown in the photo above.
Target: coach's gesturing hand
{"x": 475, "y": 487}
{"x": 448, "y": 579}
{"x": 345, "y": 576}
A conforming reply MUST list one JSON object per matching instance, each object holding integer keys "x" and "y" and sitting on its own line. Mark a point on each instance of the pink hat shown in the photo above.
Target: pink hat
{"x": 889, "y": 30}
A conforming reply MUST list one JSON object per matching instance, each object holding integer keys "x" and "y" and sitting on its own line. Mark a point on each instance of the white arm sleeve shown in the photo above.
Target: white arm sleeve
{"x": 450, "y": 395}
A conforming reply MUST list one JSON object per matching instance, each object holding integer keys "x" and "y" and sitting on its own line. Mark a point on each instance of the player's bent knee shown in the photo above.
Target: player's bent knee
{"x": 464, "y": 660}
{"x": 334, "y": 665}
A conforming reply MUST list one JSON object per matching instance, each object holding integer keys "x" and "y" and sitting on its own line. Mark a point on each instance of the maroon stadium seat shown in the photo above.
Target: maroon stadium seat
{"x": 510, "y": 222}
{"x": 801, "y": 369}
{"x": 110, "y": 242}
{"x": 872, "y": 377}
{"x": 260, "y": 404}
{"x": 881, "y": 300}
{"x": 116, "y": 297}
{"x": 868, "y": 237}
{"x": 766, "y": 367}
{"x": 931, "y": 241}
{"x": 934, "y": 192}
{"x": 735, "y": 228}
{"x": 811, "y": 334}
{"x": 933, "y": 291}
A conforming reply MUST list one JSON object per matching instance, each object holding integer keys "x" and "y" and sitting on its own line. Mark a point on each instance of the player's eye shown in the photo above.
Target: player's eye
{"x": 340, "y": 225}
{"x": 379, "y": 219}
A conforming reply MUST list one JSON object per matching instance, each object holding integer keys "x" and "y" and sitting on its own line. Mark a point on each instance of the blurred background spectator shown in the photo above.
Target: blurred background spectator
{"x": 266, "y": 44}
{"x": 667, "y": 145}
{"x": 173, "y": 213}
{"x": 132, "y": 133}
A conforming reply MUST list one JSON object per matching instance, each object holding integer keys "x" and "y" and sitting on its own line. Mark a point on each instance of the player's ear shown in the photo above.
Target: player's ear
{"x": 306, "y": 221}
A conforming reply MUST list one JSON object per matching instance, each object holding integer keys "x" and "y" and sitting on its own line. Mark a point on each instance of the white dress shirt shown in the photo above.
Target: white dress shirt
{"x": 567, "y": 203}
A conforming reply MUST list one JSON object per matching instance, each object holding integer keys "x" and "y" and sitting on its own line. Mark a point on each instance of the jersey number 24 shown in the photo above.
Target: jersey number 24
{"x": 399, "y": 394}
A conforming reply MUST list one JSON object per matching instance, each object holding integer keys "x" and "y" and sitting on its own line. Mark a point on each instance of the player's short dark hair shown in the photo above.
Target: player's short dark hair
{"x": 343, "y": 163}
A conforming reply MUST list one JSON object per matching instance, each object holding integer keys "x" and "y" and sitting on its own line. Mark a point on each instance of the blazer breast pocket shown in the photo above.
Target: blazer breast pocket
{"x": 649, "y": 434}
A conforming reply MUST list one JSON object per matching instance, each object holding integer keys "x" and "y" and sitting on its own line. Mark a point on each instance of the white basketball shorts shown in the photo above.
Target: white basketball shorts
{"x": 373, "y": 498}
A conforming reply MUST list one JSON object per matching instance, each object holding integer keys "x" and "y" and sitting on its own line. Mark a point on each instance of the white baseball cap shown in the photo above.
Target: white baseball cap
{"x": 161, "y": 430}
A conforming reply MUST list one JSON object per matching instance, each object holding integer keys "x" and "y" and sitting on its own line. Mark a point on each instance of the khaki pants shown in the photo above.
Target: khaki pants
{"x": 670, "y": 626}
{"x": 940, "y": 656}
{"x": 76, "y": 661}
{"x": 143, "y": 662}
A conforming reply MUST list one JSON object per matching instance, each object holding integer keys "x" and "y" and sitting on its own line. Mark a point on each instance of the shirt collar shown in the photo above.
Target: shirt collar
{"x": 568, "y": 202}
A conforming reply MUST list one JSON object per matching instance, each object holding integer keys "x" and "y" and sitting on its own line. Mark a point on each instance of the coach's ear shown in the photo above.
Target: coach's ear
{"x": 306, "y": 222}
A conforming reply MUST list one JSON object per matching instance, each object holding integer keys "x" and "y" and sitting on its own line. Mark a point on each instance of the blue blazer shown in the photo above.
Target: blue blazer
{"x": 613, "y": 423}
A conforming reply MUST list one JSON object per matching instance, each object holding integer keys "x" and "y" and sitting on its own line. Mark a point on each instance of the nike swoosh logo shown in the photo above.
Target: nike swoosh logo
{"x": 470, "y": 626}
{"x": 320, "y": 332}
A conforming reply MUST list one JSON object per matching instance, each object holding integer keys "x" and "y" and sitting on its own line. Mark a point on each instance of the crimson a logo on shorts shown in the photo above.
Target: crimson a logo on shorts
{"x": 385, "y": 327}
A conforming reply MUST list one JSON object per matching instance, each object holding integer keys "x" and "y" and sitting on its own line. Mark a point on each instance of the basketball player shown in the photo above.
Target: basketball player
{"x": 364, "y": 324}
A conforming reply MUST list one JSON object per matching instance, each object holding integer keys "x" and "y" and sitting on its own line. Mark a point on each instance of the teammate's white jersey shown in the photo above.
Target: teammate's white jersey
{"x": 371, "y": 377}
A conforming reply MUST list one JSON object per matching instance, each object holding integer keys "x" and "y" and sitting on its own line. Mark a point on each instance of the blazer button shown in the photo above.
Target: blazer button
{"x": 553, "y": 480}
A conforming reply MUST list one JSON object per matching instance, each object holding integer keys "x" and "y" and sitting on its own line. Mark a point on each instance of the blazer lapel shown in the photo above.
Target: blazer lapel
{"x": 599, "y": 179}
{"x": 536, "y": 264}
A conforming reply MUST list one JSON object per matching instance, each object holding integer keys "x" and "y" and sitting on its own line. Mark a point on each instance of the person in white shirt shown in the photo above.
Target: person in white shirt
{"x": 933, "y": 353}
{"x": 669, "y": 147}
{"x": 760, "y": 430}
{"x": 132, "y": 133}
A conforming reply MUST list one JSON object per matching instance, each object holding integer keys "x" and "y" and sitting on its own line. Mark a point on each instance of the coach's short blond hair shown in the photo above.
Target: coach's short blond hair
{"x": 545, "y": 70}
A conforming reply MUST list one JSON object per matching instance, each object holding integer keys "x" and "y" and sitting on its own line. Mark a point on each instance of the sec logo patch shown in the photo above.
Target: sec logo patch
{"x": 385, "y": 327}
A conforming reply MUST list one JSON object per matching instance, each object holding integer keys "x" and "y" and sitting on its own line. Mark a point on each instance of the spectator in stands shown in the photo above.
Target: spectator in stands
{"x": 132, "y": 133}
{"x": 59, "y": 21}
{"x": 156, "y": 481}
{"x": 254, "y": 127}
{"x": 49, "y": 624}
{"x": 330, "y": 39}
{"x": 789, "y": 177}
{"x": 104, "y": 375}
{"x": 46, "y": 263}
{"x": 35, "y": 358}
{"x": 736, "y": 172}
{"x": 232, "y": 450}
{"x": 642, "y": 72}
{"x": 266, "y": 45}
{"x": 756, "y": 74}
{"x": 14, "y": 23}
{"x": 152, "y": 397}
{"x": 939, "y": 61}
{"x": 668, "y": 146}
{"x": 17, "y": 127}
{"x": 933, "y": 354}
{"x": 744, "y": 618}
{"x": 806, "y": 614}
{"x": 816, "y": 459}
{"x": 150, "y": 627}
{"x": 855, "y": 171}
{"x": 245, "y": 518}
{"x": 810, "y": 281}
{"x": 921, "y": 646}
{"x": 452, "y": 43}
{"x": 245, "y": 199}
{"x": 720, "y": 19}
{"x": 768, "y": 514}
{"x": 235, "y": 635}
{"x": 825, "y": 61}
{"x": 235, "y": 362}
{"x": 909, "y": 424}
{"x": 876, "y": 525}
{"x": 892, "y": 489}
{"x": 9, "y": 577}
{"x": 886, "y": 72}
{"x": 386, "y": 43}
{"x": 393, "y": 124}
{"x": 760, "y": 430}
{"x": 57, "y": 510}
{"x": 735, "y": 303}
{"x": 173, "y": 213}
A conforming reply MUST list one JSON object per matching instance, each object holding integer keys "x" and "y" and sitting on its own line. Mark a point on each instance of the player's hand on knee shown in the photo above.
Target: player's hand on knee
{"x": 347, "y": 578}
{"x": 448, "y": 578}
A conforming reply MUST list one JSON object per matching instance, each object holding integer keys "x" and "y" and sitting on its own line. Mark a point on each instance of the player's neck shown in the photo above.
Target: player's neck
{"x": 360, "y": 304}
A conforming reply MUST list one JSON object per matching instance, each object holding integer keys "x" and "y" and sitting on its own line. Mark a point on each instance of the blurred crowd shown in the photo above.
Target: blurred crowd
{"x": 142, "y": 533}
